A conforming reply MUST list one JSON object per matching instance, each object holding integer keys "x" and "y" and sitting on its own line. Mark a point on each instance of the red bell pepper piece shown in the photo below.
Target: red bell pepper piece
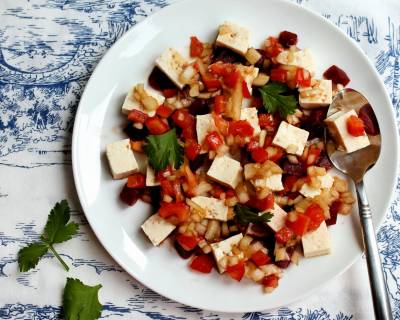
{"x": 236, "y": 271}
{"x": 278, "y": 75}
{"x": 137, "y": 116}
{"x": 261, "y": 204}
{"x": 260, "y": 258}
{"x": 303, "y": 78}
{"x": 241, "y": 128}
{"x": 192, "y": 149}
{"x": 355, "y": 126}
{"x": 214, "y": 140}
{"x": 156, "y": 125}
{"x": 316, "y": 215}
{"x": 136, "y": 181}
{"x": 219, "y": 104}
{"x": 203, "y": 263}
{"x": 273, "y": 47}
{"x": 270, "y": 281}
{"x": 163, "y": 111}
{"x": 284, "y": 235}
{"x": 169, "y": 93}
{"x": 245, "y": 90}
{"x": 178, "y": 210}
{"x": 196, "y": 47}
{"x": 187, "y": 242}
{"x": 300, "y": 225}
{"x": 259, "y": 155}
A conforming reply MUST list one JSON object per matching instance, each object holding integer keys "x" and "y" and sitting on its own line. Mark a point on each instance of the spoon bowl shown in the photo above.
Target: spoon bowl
{"x": 355, "y": 165}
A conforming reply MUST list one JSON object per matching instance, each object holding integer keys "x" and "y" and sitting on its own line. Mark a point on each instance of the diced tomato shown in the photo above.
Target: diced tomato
{"x": 288, "y": 182}
{"x": 316, "y": 215}
{"x": 163, "y": 111}
{"x": 189, "y": 132}
{"x": 355, "y": 126}
{"x": 221, "y": 69}
{"x": 268, "y": 141}
{"x": 278, "y": 75}
{"x": 169, "y": 93}
{"x": 211, "y": 83}
{"x": 156, "y": 125}
{"x": 182, "y": 118}
{"x": 273, "y": 47}
{"x": 270, "y": 281}
{"x": 260, "y": 258}
{"x": 191, "y": 180}
{"x": 284, "y": 235}
{"x": 136, "y": 181}
{"x": 303, "y": 78}
{"x": 261, "y": 204}
{"x": 166, "y": 187}
{"x": 178, "y": 210}
{"x": 203, "y": 263}
{"x": 253, "y": 144}
{"x": 214, "y": 140}
{"x": 231, "y": 79}
{"x": 196, "y": 47}
{"x": 219, "y": 104}
{"x": 337, "y": 75}
{"x": 241, "y": 128}
{"x": 129, "y": 196}
{"x": 221, "y": 124}
{"x": 245, "y": 90}
{"x": 236, "y": 271}
{"x": 277, "y": 156}
{"x": 192, "y": 149}
{"x": 137, "y": 116}
{"x": 187, "y": 242}
{"x": 259, "y": 155}
{"x": 230, "y": 193}
{"x": 217, "y": 191}
{"x": 300, "y": 225}
{"x": 267, "y": 121}
{"x": 162, "y": 174}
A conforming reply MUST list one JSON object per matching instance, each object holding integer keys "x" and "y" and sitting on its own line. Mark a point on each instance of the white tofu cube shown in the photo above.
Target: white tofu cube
{"x": 172, "y": 63}
{"x": 319, "y": 95}
{"x": 277, "y": 222}
{"x": 157, "y": 229}
{"x": 274, "y": 182}
{"x": 204, "y": 125}
{"x": 121, "y": 159}
{"x": 326, "y": 181}
{"x": 317, "y": 242}
{"x": 226, "y": 171}
{"x": 249, "y": 73}
{"x": 151, "y": 180}
{"x": 223, "y": 248}
{"x": 130, "y": 103}
{"x": 301, "y": 58}
{"x": 337, "y": 125}
{"x": 250, "y": 114}
{"x": 214, "y": 208}
{"x": 234, "y": 37}
{"x": 291, "y": 138}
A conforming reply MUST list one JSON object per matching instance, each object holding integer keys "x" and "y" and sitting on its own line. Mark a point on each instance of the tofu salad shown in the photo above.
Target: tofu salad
{"x": 235, "y": 163}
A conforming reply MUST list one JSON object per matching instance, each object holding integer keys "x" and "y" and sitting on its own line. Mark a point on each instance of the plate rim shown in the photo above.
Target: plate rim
{"x": 165, "y": 293}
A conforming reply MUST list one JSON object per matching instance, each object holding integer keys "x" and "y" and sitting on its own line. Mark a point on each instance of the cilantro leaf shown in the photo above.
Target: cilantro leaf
{"x": 244, "y": 215}
{"x": 81, "y": 302}
{"x": 163, "y": 150}
{"x": 29, "y": 256}
{"x": 276, "y": 99}
{"x": 57, "y": 230}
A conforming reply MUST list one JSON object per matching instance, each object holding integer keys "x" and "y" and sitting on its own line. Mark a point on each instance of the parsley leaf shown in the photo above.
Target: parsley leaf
{"x": 244, "y": 215}
{"x": 29, "y": 256}
{"x": 275, "y": 99}
{"x": 81, "y": 302}
{"x": 56, "y": 231}
{"x": 163, "y": 150}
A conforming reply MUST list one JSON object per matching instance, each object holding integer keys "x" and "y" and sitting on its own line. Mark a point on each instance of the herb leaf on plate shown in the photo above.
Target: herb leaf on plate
{"x": 80, "y": 301}
{"x": 276, "y": 98}
{"x": 163, "y": 150}
{"x": 57, "y": 230}
{"x": 244, "y": 215}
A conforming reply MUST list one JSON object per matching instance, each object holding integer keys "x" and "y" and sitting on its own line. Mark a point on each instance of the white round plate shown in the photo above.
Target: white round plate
{"x": 98, "y": 122}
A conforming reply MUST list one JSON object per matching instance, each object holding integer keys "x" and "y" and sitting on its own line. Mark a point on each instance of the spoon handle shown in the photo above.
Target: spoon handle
{"x": 380, "y": 296}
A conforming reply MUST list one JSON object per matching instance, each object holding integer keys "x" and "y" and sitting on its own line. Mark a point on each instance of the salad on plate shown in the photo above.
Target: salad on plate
{"x": 236, "y": 167}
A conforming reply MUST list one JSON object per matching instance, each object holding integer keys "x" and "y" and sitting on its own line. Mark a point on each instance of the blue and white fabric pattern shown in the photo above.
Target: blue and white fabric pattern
{"x": 48, "y": 49}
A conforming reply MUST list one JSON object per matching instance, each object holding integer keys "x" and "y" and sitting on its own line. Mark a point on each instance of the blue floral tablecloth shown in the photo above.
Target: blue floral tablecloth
{"x": 48, "y": 49}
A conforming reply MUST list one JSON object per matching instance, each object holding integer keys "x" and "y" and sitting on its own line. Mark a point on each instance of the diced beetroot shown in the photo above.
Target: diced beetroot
{"x": 323, "y": 161}
{"x": 283, "y": 264}
{"x": 314, "y": 124}
{"x": 159, "y": 81}
{"x": 294, "y": 169}
{"x": 200, "y": 106}
{"x": 257, "y": 230}
{"x": 129, "y": 195}
{"x": 182, "y": 252}
{"x": 333, "y": 211}
{"x": 226, "y": 55}
{"x": 337, "y": 75}
{"x": 287, "y": 39}
{"x": 367, "y": 115}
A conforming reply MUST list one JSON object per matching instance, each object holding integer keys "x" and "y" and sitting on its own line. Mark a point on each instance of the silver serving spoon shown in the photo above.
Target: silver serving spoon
{"x": 355, "y": 165}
